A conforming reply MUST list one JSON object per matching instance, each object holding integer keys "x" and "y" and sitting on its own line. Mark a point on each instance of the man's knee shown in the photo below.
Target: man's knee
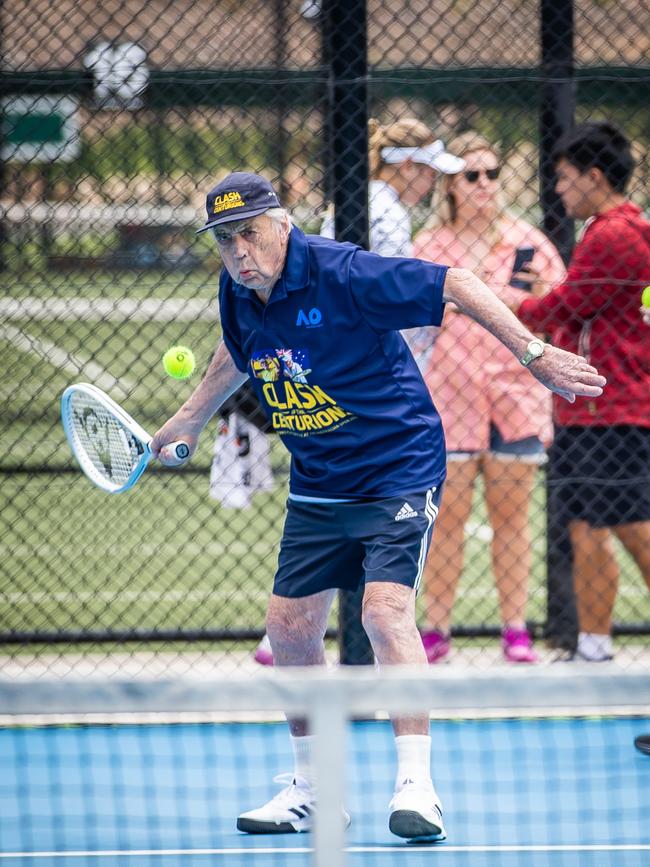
{"x": 290, "y": 622}
{"x": 387, "y": 607}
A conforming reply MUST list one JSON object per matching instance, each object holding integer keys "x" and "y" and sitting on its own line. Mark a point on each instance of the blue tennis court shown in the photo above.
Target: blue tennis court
{"x": 549, "y": 791}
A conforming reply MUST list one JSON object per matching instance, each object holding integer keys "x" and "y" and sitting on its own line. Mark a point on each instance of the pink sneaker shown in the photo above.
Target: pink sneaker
{"x": 263, "y": 653}
{"x": 436, "y": 645}
{"x": 518, "y": 645}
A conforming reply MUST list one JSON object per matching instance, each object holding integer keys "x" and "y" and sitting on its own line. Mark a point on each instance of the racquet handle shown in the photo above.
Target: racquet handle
{"x": 174, "y": 454}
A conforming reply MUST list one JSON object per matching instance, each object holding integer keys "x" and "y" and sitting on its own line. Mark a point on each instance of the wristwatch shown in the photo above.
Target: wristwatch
{"x": 535, "y": 349}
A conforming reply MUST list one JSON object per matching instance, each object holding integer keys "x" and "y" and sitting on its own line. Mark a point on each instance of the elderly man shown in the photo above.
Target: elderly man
{"x": 367, "y": 447}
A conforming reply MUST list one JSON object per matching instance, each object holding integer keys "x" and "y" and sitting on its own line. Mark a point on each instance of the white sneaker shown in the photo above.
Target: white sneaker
{"x": 289, "y": 812}
{"x": 416, "y": 813}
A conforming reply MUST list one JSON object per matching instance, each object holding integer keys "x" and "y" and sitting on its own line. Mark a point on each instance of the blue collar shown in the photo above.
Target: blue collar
{"x": 295, "y": 274}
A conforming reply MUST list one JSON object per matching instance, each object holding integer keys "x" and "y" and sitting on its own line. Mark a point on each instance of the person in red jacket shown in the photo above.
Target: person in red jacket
{"x": 601, "y": 452}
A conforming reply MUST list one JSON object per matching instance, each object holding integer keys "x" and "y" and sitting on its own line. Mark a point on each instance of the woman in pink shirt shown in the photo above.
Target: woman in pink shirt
{"x": 496, "y": 417}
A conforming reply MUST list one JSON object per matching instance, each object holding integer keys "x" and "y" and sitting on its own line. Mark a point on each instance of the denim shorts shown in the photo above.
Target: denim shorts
{"x": 342, "y": 545}
{"x": 529, "y": 449}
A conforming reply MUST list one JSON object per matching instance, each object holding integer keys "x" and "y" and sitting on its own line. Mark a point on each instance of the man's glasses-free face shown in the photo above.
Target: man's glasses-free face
{"x": 472, "y": 175}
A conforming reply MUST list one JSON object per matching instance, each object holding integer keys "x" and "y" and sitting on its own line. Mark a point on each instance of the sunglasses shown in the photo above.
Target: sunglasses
{"x": 474, "y": 174}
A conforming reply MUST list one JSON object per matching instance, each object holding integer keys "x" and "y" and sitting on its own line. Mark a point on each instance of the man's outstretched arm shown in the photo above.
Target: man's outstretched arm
{"x": 562, "y": 372}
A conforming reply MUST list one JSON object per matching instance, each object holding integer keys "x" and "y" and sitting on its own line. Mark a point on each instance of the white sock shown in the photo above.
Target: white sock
{"x": 594, "y": 647}
{"x": 413, "y": 759}
{"x": 302, "y": 758}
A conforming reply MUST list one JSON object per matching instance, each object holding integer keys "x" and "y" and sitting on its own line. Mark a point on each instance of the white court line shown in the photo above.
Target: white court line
{"x": 110, "y": 309}
{"x": 190, "y": 548}
{"x": 72, "y": 216}
{"x": 69, "y": 361}
{"x": 440, "y": 848}
{"x": 170, "y": 596}
{"x": 34, "y": 597}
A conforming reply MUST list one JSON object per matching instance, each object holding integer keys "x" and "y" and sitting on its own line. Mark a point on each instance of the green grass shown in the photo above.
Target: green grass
{"x": 129, "y": 351}
{"x": 164, "y": 555}
{"x": 476, "y": 599}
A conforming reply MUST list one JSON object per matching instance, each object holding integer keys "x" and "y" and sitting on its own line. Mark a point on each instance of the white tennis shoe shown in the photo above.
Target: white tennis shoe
{"x": 416, "y": 813}
{"x": 289, "y": 812}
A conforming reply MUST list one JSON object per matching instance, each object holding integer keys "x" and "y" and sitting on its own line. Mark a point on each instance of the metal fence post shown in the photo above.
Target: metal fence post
{"x": 345, "y": 33}
{"x": 556, "y": 117}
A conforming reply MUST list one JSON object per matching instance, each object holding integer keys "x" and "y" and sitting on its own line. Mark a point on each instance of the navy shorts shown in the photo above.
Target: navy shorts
{"x": 601, "y": 475}
{"x": 341, "y": 545}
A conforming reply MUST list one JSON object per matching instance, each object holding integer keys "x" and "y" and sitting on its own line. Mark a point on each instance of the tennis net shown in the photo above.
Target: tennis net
{"x": 533, "y": 767}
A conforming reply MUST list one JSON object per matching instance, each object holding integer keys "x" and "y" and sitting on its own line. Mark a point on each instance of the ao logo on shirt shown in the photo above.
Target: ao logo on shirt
{"x": 313, "y": 319}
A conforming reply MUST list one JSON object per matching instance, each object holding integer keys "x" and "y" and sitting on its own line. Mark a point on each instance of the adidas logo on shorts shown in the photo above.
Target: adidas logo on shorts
{"x": 406, "y": 512}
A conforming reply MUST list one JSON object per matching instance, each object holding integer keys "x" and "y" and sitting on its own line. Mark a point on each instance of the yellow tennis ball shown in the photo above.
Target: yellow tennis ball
{"x": 179, "y": 362}
{"x": 645, "y": 297}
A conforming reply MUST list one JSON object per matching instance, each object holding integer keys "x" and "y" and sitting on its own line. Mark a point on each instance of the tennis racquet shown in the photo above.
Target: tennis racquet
{"x": 111, "y": 448}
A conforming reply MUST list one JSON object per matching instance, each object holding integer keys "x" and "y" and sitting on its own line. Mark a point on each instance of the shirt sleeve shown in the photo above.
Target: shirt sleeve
{"x": 229, "y": 328}
{"x": 393, "y": 293}
{"x": 602, "y": 265}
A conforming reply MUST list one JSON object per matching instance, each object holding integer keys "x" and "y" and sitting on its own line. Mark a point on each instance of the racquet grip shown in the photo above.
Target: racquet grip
{"x": 174, "y": 454}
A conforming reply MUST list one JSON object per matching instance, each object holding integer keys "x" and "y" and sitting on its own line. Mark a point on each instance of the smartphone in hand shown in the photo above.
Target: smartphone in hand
{"x": 523, "y": 255}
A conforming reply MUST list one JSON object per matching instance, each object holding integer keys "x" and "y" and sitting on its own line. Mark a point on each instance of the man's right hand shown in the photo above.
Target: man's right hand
{"x": 172, "y": 431}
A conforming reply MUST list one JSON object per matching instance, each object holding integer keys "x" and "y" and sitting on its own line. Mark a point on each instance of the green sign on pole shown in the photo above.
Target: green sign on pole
{"x": 40, "y": 129}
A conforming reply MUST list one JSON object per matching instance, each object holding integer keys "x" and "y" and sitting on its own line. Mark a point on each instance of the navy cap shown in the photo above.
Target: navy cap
{"x": 238, "y": 196}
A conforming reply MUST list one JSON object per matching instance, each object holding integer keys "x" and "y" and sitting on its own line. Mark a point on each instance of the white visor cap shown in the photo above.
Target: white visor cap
{"x": 433, "y": 155}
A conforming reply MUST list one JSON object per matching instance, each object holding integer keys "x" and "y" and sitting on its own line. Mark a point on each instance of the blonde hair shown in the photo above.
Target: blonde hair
{"x": 409, "y": 132}
{"x": 443, "y": 204}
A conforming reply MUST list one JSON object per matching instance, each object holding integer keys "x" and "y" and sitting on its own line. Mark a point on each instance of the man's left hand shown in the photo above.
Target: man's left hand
{"x": 567, "y": 374}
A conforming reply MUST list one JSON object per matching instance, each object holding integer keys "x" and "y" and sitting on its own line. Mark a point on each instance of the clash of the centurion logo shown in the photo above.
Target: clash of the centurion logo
{"x": 227, "y": 201}
{"x": 297, "y": 407}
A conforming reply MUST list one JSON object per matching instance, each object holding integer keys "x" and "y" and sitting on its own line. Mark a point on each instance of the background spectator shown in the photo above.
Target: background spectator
{"x": 405, "y": 160}
{"x": 601, "y": 453}
{"x": 496, "y": 421}
{"x": 241, "y": 462}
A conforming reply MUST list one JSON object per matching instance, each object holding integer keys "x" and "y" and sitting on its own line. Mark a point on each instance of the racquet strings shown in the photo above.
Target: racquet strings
{"x": 102, "y": 443}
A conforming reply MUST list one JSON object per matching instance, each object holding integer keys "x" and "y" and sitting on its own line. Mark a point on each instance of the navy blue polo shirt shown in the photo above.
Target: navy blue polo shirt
{"x": 334, "y": 374}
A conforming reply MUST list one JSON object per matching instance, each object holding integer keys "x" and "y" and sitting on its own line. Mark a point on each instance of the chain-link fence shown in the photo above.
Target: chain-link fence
{"x": 116, "y": 119}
